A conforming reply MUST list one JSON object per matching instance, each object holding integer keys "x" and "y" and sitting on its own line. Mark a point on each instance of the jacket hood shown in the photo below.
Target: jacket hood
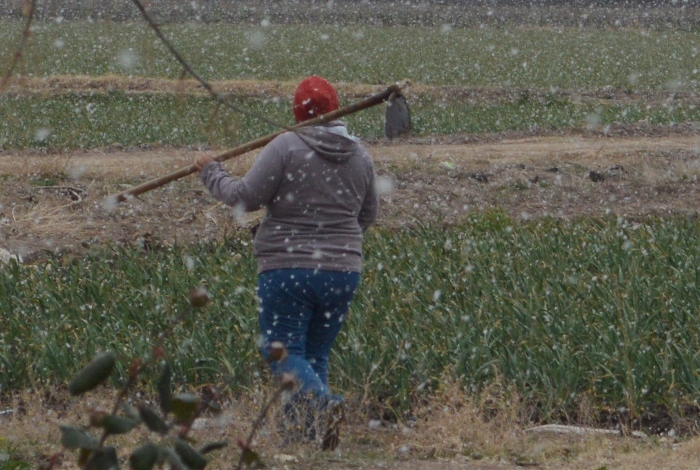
{"x": 331, "y": 141}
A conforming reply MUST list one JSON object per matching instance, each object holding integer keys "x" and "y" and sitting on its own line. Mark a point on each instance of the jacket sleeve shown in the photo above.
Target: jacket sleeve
{"x": 254, "y": 190}
{"x": 370, "y": 204}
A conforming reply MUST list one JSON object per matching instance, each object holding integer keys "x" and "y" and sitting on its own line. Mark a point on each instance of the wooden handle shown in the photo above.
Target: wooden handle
{"x": 257, "y": 143}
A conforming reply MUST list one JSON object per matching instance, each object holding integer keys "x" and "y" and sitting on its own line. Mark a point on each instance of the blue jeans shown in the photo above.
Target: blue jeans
{"x": 304, "y": 309}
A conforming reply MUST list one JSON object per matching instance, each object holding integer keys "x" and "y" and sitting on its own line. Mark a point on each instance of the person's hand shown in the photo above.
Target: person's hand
{"x": 201, "y": 161}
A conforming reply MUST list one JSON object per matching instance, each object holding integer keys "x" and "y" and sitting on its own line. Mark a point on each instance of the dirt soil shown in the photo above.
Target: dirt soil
{"x": 61, "y": 201}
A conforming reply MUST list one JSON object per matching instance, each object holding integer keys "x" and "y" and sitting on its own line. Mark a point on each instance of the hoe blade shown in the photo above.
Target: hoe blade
{"x": 397, "y": 118}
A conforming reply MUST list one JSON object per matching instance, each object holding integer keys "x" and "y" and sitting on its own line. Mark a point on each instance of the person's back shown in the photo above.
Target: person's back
{"x": 323, "y": 202}
{"x": 318, "y": 187}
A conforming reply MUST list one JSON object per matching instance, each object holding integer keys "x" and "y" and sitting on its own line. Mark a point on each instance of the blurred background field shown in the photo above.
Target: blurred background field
{"x": 467, "y": 80}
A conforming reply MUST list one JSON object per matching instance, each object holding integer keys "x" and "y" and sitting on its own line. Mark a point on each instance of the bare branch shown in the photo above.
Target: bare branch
{"x": 190, "y": 70}
{"x": 28, "y": 10}
{"x": 258, "y": 422}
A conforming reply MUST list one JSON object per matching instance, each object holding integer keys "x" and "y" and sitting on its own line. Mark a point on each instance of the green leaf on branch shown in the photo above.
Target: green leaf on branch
{"x": 93, "y": 374}
{"x": 174, "y": 460}
{"x": 118, "y": 425}
{"x": 165, "y": 396}
{"x": 184, "y": 406}
{"x": 83, "y": 456}
{"x": 189, "y": 455}
{"x": 131, "y": 412}
{"x": 153, "y": 421}
{"x": 104, "y": 458}
{"x": 211, "y": 447}
{"x": 145, "y": 457}
{"x": 77, "y": 438}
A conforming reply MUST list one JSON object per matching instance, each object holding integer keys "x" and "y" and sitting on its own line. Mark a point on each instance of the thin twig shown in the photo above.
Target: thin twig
{"x": 25, "y": 38}
{"x": 190, "y": 70}
{"x": 117, "y": 404}
{"x": 57, "y": 188}
{"x": 58, "y": 209}
{"x": 258, "y": 422}
{"x": 213, "y": 207}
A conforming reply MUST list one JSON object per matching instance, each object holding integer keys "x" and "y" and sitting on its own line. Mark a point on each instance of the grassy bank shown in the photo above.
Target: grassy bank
{"x": 122, "y": 119}
{"x": 596, "y": 311}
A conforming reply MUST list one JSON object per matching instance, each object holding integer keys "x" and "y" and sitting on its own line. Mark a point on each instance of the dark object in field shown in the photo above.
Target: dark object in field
{"x": 616, "y": 172}
{"x": 480, "y": 177}
{"x": 596, "y": 177}
{"x": 397, "y": 118}
{"x": 331, "y": 436}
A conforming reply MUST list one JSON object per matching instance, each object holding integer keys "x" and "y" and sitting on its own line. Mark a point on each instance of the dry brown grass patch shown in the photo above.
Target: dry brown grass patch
{"x": 453, "y": 422}
{"x": 452, "y": 426}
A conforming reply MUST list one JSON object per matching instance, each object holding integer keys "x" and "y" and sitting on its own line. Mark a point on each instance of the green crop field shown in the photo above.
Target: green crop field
{"x": 491, "y": 57}
{"x": 599, "y": 310}
{"x": 98, "y": 120}
{"x": 539, "y": 74}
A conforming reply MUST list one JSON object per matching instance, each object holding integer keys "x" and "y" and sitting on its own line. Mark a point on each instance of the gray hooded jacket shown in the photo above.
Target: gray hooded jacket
{"x": 318, "y": 185}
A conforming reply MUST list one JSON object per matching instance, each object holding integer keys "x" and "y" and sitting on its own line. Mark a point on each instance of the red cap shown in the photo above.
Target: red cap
{"x": 314, "y": 96}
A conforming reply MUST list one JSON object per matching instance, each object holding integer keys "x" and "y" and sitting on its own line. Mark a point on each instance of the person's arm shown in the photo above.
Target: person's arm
{"x": 251, "y": 192}
{"x": 370, "y": 204}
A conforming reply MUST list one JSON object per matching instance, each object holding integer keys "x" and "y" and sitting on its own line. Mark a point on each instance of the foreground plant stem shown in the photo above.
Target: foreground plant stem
{"x": 137, "y": 366}
{"x": 190, "y": 70}
{"x": 28, "y": 9}
{"x": 245, "y": 446}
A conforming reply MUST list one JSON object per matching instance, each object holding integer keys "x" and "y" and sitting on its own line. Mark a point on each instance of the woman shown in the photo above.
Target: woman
{"x": 318, "y": 186}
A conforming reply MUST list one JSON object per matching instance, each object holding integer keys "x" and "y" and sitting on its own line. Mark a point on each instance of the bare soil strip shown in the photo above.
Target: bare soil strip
{"x": 59, "y": 201}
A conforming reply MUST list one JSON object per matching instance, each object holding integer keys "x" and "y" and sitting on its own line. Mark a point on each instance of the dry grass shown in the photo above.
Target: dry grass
{"x": 34, "y": 432}
{"x": 107, "y": 166}
{"x": 451, "y": 428}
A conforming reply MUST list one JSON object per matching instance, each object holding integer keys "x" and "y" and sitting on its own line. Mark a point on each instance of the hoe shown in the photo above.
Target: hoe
{"x": 397, "y": 123}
